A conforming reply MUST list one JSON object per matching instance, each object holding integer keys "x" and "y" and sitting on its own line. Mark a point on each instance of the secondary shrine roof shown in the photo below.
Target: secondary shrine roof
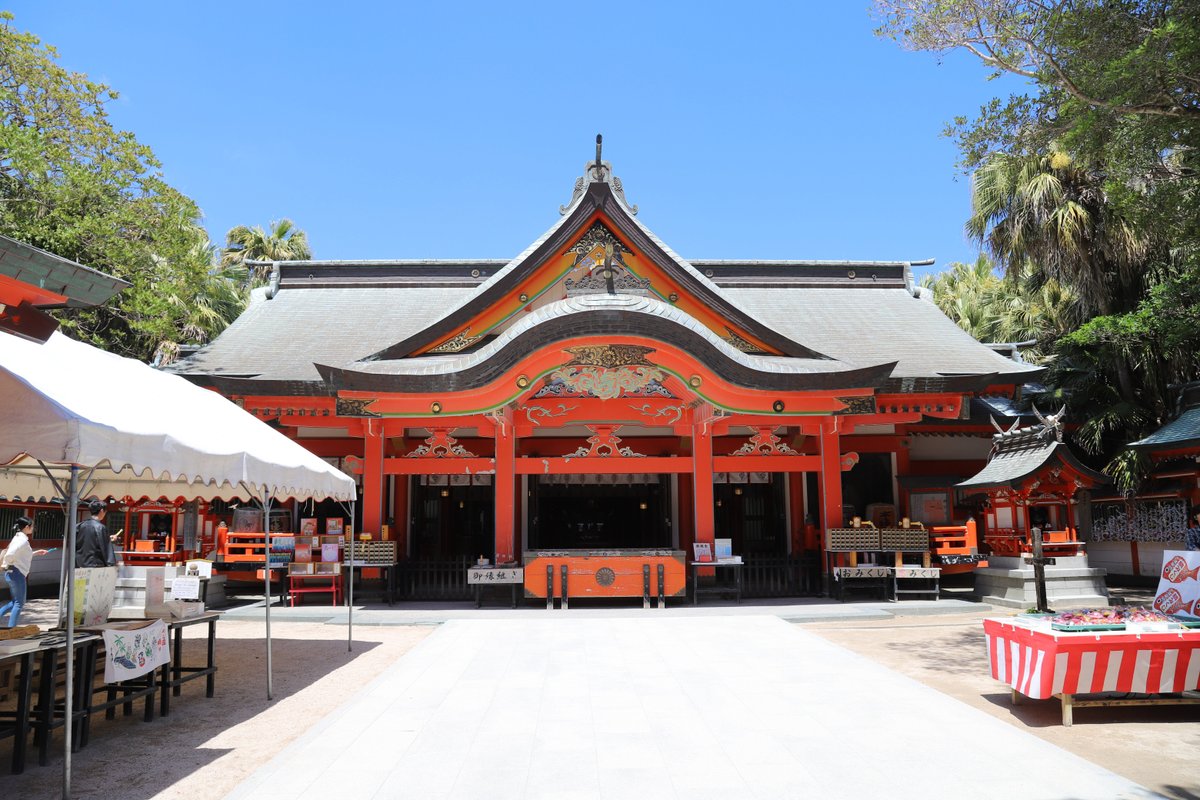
{"x": 1022, "y": 453}
{"x": 1181, "y": 432}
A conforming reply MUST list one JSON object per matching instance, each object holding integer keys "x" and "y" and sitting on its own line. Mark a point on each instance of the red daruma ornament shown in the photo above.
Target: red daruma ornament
{"x": 1172, "y": 602}
{"x": 1176, "y": 570}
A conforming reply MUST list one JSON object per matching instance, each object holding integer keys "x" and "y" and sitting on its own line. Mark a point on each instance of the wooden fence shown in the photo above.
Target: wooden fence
{"x": 762, "y": 576}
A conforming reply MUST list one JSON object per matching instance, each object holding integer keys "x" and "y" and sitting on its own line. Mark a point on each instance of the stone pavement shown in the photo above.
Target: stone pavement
{"x": 704, "y": 703}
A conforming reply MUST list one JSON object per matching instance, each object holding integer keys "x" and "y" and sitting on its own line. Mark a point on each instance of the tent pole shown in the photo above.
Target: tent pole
{"x": 69, "y": 552}
{"x": 266, "y": 504}
{"x": 350, "y": 606}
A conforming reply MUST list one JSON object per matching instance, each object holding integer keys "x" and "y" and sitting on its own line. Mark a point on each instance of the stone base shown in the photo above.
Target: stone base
{"x": 130, "y": 597}
{"x": 1070, "y": 583}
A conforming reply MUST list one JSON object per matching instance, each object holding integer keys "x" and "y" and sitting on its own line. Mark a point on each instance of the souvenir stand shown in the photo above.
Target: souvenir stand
{"x": 1041, "y": 659}
{"x": 61, "y": 438}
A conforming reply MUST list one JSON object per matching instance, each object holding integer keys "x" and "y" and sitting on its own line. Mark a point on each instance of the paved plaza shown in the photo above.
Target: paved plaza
{"x": 638, "y": 705}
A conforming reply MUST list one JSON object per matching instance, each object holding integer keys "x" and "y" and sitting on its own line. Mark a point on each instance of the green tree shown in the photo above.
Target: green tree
{"x": 1047, "y": 212}
{"x": 992, "y": 308}
{"x": 282, "y": 242}
{"x": 1089, "y": 176}
{"x": 74, "y": 185}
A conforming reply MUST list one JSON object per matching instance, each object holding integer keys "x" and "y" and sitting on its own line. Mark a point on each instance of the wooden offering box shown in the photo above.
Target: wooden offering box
{"x": 604, "y": 573}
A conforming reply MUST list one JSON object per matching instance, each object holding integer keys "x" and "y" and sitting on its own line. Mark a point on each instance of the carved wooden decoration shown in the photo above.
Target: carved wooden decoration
{"x": 765, "y": 443}
{"x": 604, "y": 444}
{"x": 441, "y": 445}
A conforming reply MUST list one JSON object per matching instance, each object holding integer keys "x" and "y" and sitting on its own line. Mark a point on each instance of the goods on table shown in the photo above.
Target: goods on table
{"x": 1106, "y": 618}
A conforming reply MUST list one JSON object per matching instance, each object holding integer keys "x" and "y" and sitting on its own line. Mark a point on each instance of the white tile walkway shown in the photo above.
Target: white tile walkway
{"x": 652, "y": 708}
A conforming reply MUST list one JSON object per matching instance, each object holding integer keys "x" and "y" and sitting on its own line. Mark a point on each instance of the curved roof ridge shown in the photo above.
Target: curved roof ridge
{"x": 590, "y": 303}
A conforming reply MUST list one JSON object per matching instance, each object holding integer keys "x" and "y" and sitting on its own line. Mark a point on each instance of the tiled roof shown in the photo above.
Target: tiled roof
{"x": 1183, "y": 431}
{"x": 1019, "y": 454}
{"x": 870, "y": 325}
{"x": 82, "y": 286}
{"x": 281, "y": 338}
{"x": 825, "y": 315}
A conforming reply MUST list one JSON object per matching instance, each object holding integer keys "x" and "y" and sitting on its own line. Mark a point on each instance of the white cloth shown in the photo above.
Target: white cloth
{"x": 132, "y": 651}
{"x": 19, "y": 554}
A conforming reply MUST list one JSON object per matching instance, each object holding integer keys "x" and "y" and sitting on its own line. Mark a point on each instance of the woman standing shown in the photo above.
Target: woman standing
{"x": 16, "y": 563}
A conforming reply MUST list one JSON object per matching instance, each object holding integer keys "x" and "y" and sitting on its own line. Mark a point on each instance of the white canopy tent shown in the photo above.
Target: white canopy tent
{"x": 80, "y": 422}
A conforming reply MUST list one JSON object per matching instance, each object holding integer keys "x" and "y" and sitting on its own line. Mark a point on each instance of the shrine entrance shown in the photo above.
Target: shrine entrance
{"x": 451, "y": 521}
{"x": 753, "y": 515}
{"x": 599, "y": 512}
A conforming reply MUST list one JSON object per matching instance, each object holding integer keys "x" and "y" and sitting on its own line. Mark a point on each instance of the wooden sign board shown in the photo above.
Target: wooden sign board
{"x": 486, "y": 575}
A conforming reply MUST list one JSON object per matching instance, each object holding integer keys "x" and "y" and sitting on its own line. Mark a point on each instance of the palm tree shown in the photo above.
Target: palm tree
{"x": 284, "y": 242}
{"x": 1047, "y": 212}
{"x": 1021, "y": 308}
{"x": 201, "y": 298}
{"x": 964, "y": 293}
{"x": 1054, "y": 218}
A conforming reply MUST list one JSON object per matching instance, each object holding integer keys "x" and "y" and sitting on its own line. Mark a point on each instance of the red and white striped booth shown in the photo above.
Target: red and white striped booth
{"x": 1047, "y": 663}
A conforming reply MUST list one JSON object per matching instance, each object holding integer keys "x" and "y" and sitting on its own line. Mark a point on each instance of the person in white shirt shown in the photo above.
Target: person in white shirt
{"x": 16, "y": 563}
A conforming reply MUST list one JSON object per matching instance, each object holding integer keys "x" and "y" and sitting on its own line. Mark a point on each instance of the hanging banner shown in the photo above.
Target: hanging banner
{"x": 133, "y": 651}
{"x": 1178, "y": 584}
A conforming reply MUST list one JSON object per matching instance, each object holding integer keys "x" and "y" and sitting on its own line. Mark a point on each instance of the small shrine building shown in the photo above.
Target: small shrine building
{"x": 601, "y": 391}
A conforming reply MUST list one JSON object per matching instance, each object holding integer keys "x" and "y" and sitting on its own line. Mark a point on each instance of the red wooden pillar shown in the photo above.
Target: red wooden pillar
{"x": 400, "y": 515}
{"x": 831, "y": 476}
{"x": 795, "y": 489}
{"x": 903, "y": 467}
{"x": 372, "y": 511}
{"x": 506, "y": 492}
{"x": 702, "y": 482}
{"x": 685, "y": 504}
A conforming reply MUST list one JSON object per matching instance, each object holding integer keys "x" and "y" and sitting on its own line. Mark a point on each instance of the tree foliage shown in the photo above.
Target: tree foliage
{"x": 1090, "y": 177}
{"x": 73, "y": 184}
{"x": 283, "y": 241}
{"x": 1018, "y": 309}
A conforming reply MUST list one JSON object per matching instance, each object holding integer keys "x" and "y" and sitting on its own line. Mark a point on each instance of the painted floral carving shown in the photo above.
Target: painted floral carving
{"x": 534, "y": 413}
{"x": 441, "y": 445}
{"x": 764, "y": 443}
{"x": 607, "y": 384}
{"x": 604, "y": 443}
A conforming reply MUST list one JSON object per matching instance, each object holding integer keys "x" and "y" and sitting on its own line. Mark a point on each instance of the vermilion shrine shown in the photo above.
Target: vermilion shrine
{"x": 600, "y": 392}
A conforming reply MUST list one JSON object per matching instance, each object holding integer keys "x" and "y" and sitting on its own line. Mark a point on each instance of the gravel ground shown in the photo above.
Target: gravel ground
{"x": 207, "y": 746}
{"x": 1157, "y": 747}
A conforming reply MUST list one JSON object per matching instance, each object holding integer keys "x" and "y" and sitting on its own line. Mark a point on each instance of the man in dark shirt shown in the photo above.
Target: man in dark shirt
{"x": 93, "y": 547}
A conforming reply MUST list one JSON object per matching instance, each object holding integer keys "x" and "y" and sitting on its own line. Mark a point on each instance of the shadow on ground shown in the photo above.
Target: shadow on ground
{"x": 162, "y": 752}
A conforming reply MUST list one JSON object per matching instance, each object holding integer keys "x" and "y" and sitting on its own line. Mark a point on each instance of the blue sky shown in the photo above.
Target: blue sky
{"x": 397, "y": 130}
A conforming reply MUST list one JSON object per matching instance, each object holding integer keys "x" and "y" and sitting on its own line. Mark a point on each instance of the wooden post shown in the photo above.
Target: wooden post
{"x": 702, "y": 481}
{"x": 795, "y": 489}
{"x": 831, "y": 476}
{"x": 373, "y": 440}
{"x": 506, "y": 491}
{"x": 400, "y": 515}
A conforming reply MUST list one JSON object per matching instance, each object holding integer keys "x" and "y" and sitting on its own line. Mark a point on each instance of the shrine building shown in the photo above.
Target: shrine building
{"x": 601, "y": 392}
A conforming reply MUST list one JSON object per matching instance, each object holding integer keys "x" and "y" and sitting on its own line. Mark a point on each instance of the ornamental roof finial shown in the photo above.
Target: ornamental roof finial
{"x": 598, "y": 171}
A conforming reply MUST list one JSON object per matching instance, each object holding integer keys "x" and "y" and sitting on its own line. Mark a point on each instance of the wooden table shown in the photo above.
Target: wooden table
{"x": 735, "y": 566}
{"x": 48, "y": 712}
{"x": 389, "y": 579}
{"x": 1040, "y": 663}
{"x": 174, "y": 674}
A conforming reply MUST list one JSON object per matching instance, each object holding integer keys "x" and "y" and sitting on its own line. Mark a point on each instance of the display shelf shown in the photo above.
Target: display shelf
{"x": 371, "y": 554}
